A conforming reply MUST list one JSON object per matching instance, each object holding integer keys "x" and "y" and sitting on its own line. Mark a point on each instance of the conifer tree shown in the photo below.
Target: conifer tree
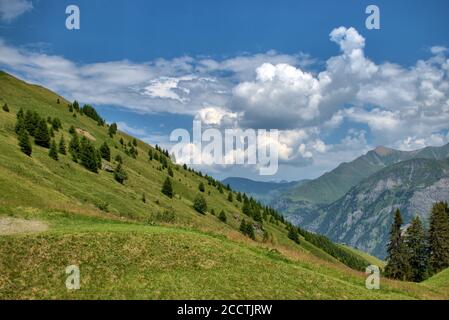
{"x": 201, "y": 187}
{"x": 246, "y": 209}
{"x": 118, "y": 158}
{"x": 239, "y": 197}
{"x": 72, "y": 130}
{"x": 439, "y": 237}
{"x": 170, "y": 172}
{"x": 150, "y": 154}
{"x": 74, "y": 147}
{"x": 397, "y": 261}
{"x": 250, "y": 231}
{"x": 105, "y": 152}
{"x": 20, "y": 124}
{"x": 416, "y": 242}
{"x": 112, "y": 129}
{"x": 24, "y": 141}
{"x": 62, "y": 146}
{"x": 167, "y": 188}
{"x": 293, "y": 235}
{"x": 42, "y": 135}
{"x": 230, "y": 198}
{"x": 53, "y": 152}
{"x": 5, "y": 107}
{"x": 243, "y": 226}
{"x": 200, "y": 204}
{"x": 134, "y": 142}
{"x": 222, "y": 216}
{"x": 88, "y": 155}
{"x": 32, "y": 120}
{"x": 120, "y": 175}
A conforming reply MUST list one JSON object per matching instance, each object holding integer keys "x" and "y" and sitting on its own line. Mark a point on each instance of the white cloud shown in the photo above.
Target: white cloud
{"x": 11, "y": 9}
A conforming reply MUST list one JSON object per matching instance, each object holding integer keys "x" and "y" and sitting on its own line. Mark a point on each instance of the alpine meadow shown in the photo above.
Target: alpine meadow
{"x": 77, "y": 191}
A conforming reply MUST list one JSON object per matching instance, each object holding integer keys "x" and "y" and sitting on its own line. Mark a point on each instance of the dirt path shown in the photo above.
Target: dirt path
{"x": 10, "y": 225}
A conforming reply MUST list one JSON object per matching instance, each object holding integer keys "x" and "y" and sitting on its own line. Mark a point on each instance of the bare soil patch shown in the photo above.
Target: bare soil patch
{"x": 10, "y": 225}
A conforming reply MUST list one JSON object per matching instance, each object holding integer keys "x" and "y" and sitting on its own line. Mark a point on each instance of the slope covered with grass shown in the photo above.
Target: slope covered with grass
{"x": 132, "y": 241}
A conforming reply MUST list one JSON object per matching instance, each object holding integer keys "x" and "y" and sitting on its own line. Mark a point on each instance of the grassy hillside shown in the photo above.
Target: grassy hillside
{"x": 160, "y": 248}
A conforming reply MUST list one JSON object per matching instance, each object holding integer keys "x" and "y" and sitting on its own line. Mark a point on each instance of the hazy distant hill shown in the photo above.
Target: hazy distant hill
{"x": 261, "y": 190}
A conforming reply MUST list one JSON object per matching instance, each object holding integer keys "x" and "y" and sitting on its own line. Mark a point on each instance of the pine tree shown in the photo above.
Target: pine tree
{"x": 53, "y": 152}
{"x": 167, "y": 188}
{"x": 250, "y": 231}
{"x": 416, "y": 242}
{"x": 41, "y": 134}
{"x": 112, "y": 129}
{"x": 24, "y": 142}
{"x": 105, "y": 152}
{"x": 150, "y": 154}
{"x": 20, "y": 124}
{"x": 243, "y": 226}
{"x": 88, "y": 155}
{"x": 293, "y": 235}
{"x": 118, "y": 158}
{"x": 62, "y": 146}
{"x": 74, "y": 147}
{"x": 230, "y": 198}
{"x": 134, "y": 142}
{"x": 222, "y": 216}
{"x": 397, "y": 261}
{"x": 201, "y": 187}
{"x": 246, "y": 209}
{"x": 439, "y": 237}
{"x": 32, "y": 121}
{"x": 120, "y": 174}
{"x": 170, "y": 172}
{"x": 200, "y": 204}
{"x": 72, "y": 130}
{"x": 239, "y": 197}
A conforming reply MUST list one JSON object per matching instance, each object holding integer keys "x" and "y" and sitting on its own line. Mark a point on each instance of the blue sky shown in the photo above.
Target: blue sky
{"x": 333, "y": 92}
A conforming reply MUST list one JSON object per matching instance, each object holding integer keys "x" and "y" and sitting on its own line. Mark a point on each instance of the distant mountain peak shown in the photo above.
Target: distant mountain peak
{"x": 383, "y": 151}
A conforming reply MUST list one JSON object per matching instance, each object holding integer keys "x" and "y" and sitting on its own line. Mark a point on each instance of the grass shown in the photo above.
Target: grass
{"x": 158, "y": 249}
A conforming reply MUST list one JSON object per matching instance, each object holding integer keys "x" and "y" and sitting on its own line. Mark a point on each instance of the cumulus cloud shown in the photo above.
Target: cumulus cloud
{"x": 11, "y": 9}
{"x": 366, "y": 103}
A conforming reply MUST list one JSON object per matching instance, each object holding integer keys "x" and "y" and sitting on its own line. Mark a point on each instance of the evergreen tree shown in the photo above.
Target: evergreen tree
{"x": 120, "y": 174}
{"x": 246, "y": 209}
{"x": 32, "y": 121}
{"x": 167, "y": 188}
{"x": 397, "y": 260}
{"x": 170, "y": 172}
{"x": 74, "y": 147}
{"x": 230, "y": 198}
{"x": 243, "y": 226}
{"x": 105, "y": 152}
{"x": 416, "y": 242}
{"x": 41, "y": 134}
{"x": 24, "y": 141}
{"x": 222, "y": 216}
{"x": 20, "y": 124}
{"x": 250, "y": 231}
{"x": 118, "y": 158}
{"x": 150, "y": 154}
{"x": 72, "y": 130}
{"x": 5, "y": 107}
{"x": 134, "y": 142}
{"x": 200, "y": 204}
{"x": 439, "y": 237}
{"x": 56, "y": 124}
{"x": 201, "y": 187}
{"x": 239, "y": 197}
{"x": 53, "y": 152}
{"x": 62, "y": 146}
{"x": 88, "y": 155}
{"x": 293, "y": 235}
{"x": 112, "y": 129}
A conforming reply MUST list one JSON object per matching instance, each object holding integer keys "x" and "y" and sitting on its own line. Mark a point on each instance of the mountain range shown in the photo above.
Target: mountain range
{"x": 353, "y": 203}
